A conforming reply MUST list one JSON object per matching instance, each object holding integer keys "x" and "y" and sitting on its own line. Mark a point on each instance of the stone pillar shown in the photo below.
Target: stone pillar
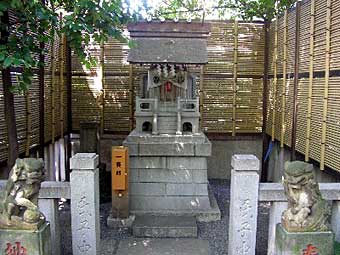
{"x": 89, "y": 137}
{"x": 179, "y": 117}
{"x": 276, "y": 210}
{"x": 335, "y": 221}
{"x": 154, "y": 119}
{"x": 243, "y": 204}
{"x": 49, "y": 207}
{"x": 85, "y": 203}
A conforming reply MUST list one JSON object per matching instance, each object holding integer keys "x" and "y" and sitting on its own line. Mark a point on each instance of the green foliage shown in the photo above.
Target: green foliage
{"x": 245, "y": 9}
{"x": 264, "y": 9}
{"x": 337, "y": 248}
{"x": 82, "y": 21}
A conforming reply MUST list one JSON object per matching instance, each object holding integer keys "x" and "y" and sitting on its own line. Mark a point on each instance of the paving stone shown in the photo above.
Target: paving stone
{"x": 106, "y": 246}
{"x": 165, "y": 226}
{"x": 165, "y": 246}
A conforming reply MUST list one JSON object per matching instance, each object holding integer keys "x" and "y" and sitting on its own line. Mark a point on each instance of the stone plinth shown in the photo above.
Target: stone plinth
{"x": 85, "y": 204}
{"x": 168, "y": 173}
{"x": 26, "y": 241}
{"x": 243, "y": 204}
{"x": 297, "y": 243}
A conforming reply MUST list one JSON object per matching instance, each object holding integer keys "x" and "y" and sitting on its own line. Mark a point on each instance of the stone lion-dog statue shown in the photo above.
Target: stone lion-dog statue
{"x": 307, "y": 210}
{"x": 19, "y": 201}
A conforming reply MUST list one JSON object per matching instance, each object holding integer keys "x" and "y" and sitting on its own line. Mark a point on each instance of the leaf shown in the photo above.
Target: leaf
{"x": 7, "y": 62}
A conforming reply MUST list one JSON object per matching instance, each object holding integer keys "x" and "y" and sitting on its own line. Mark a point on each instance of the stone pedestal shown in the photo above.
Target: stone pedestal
{"x": 168, "y": 174}
{"x": 297, "y": 243}
{"x": 26, "y": 241}
{"x": 85, "y": 204}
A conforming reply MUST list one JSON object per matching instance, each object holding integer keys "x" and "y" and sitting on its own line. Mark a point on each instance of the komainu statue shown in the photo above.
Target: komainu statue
{"x": 19, "y": 201}
{"x": 307, "y": 211}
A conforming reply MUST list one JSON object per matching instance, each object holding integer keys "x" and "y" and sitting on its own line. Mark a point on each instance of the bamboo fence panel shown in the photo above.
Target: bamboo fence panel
{"x": 320, "y": 35}
{"x": 3, "y": 130}
{"x": 325, "y": 98}
{"x": 318, "y": 89}
{"x": 102, "y": 92}
{"x": 310, "y": 80}
{"x": 335, "y": 36}
{"x": 304, "y": 37}
{"x": 284, "y": 78}
{"x": 86, "y": 90}
{"x": 235, "y": 70}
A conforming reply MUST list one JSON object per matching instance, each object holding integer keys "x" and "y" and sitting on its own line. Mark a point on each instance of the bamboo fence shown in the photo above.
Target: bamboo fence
{"x": 318, "y": 119}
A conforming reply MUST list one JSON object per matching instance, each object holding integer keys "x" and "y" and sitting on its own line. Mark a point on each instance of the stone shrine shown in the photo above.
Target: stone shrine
{"x": 168, "y": 151}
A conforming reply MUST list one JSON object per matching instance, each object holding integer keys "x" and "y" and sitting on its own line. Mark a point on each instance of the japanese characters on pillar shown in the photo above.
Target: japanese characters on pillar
{"x": 120, "y": 181}
{"x": 119, "y": 168}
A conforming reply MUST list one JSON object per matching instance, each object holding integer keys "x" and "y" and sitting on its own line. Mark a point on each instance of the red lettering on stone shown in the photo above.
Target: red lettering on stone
{"x": 310, "y": 250}
{"x": 16, "y": 249}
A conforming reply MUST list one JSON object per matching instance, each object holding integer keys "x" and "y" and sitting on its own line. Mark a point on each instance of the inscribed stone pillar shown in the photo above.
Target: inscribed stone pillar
{"x": 85, "y": 204}
{"x": 243, "y": 204}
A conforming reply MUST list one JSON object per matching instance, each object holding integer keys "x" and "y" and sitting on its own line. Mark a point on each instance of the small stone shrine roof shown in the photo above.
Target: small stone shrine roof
{"x": 169, "y": 42}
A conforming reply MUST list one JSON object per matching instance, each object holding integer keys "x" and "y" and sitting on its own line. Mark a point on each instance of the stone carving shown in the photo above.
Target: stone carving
{"x": 19, "y": 201}
{"x": 307, "y": 211}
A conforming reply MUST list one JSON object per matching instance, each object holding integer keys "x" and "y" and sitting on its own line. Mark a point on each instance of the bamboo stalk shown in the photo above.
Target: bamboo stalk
{"x": 53, "y": 67}
{"x": 284, "y": 80}
{"x": 28, "y": 123}
{"x": 102, "y": 94}
{"x": 310, "y": 85}
{"x": 131, "y": 95}
{"x": 275, "y": 78}
{"x": 235, "y": 77}
{"x": 61, "y": 83}
{"x": 326, "y": 87}
{"x": 201, "y": 95}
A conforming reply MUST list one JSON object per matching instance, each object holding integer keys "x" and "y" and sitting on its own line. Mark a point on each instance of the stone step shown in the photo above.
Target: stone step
{"x": 164, "y": 226}
{"x": 146, "y": 246}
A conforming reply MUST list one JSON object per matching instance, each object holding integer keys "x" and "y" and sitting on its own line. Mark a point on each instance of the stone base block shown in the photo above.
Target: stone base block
{"x": 26, "y": 241}
{"x": 120, "y": 222}
{"x": 297, "y": 243}
{"x": 202, "y": 215}
{"x": 165, "y": 226}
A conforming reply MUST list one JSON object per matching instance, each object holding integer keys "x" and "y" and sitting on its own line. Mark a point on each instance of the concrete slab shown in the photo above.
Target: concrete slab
{"x": 165, "y": 226}
{"x": 147, "y": 246}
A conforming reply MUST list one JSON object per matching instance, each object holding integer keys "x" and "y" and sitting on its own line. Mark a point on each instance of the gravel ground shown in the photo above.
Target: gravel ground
{"x": 215, "y": 232}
